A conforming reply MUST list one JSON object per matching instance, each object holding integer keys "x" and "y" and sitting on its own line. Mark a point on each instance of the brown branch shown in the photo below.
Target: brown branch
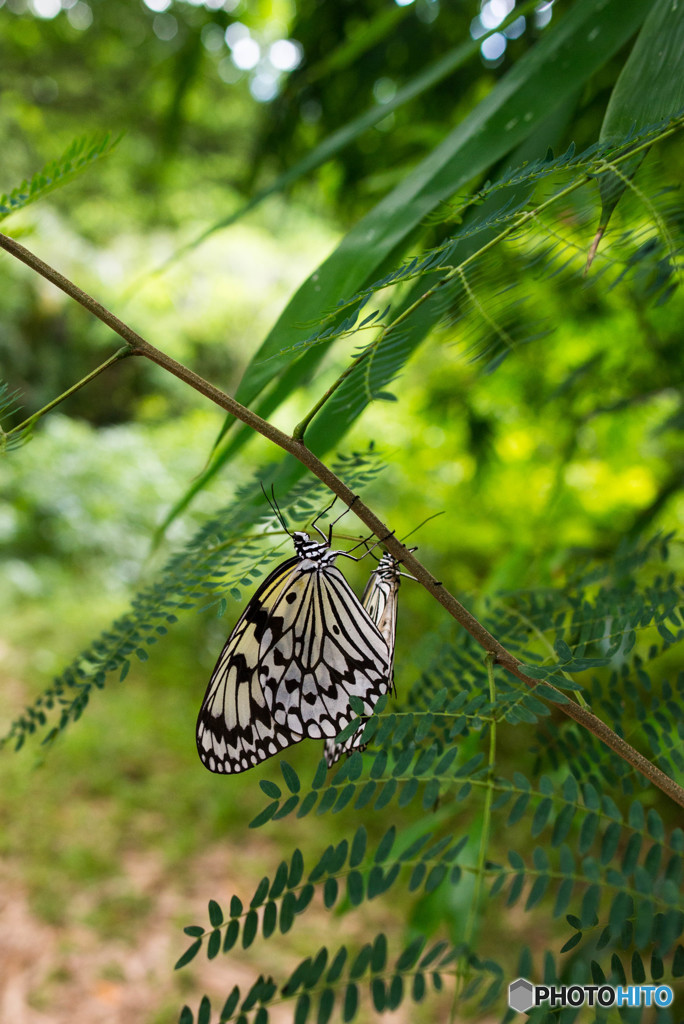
{"x": 297, "y": 448}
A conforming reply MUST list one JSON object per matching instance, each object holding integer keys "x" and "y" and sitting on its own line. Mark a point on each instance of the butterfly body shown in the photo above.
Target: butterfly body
{"x": 301, "y": 648}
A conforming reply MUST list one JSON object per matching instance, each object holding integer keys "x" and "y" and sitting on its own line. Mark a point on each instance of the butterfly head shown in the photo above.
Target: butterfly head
{"x": 315, "y": 550}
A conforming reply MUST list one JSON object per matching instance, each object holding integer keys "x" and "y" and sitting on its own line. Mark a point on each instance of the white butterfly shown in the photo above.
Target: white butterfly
{"x": 303, "y": 645}
{"x": 380, "y": 601}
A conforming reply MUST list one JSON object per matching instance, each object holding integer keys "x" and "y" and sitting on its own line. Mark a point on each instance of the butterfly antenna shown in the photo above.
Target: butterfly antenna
{"x": 275, "y": 508}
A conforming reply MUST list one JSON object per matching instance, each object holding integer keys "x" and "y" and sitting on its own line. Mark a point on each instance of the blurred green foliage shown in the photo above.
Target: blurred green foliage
{"x": 560, "y": 453}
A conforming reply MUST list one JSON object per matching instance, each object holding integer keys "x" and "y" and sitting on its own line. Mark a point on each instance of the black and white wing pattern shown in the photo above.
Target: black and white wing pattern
{"x": 380, "y": 601}
{"x": 303, "y": 645}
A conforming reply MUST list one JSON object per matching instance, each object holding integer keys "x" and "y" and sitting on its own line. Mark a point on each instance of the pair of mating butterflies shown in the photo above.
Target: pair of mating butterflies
{"x": 303, "y": 646}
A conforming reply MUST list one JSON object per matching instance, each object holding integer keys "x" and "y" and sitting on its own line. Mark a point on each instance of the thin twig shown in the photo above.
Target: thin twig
{"x": 27, "y": 424}
{"x": 297, "y": 448}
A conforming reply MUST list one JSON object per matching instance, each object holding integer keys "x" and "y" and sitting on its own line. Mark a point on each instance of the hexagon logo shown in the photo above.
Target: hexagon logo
{"x": 521, "y": 995}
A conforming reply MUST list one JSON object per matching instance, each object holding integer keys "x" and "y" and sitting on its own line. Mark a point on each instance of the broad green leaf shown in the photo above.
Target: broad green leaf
{"x": 650, "y": 89}
{"x": 575, "y": 47}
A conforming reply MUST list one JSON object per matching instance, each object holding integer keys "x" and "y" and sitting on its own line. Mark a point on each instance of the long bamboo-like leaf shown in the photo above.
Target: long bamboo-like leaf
{"x": 580, "y": 44}
{"x": 344, "y": 136}
{"x": 650, "y": 88}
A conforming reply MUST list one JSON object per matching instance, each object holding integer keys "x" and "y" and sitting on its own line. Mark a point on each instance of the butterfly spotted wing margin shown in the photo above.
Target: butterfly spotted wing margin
{"x": 380, "y": 601}
{"x": 301, "y": 648}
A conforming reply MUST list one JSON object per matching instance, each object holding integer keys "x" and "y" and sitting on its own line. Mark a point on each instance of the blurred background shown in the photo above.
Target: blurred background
{"x": 115, "y": 840}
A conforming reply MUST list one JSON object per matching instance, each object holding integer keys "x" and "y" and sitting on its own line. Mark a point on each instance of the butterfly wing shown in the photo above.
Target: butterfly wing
{"x": 319, "y": 648}
{"x": 235, "y": 729}
{"x": 380, "y": 601}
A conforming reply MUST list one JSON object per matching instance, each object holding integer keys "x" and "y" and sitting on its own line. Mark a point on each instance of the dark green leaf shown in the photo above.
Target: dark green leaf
{"x": 279, "y": 881}
{"x": 290, "y": 776}
{"x": 214, "y": 944}
{"x": 396, "y": 992}
{"x": 270, "y": 919}
{"x": 638, "y": 969}
{"x": 378, "y": 994}
{"x": 590, "y": 906}
{"x": 379, "y": 953}
{"x": 286, "y": 808}
{"x": 437, "y": 875}
{"x": 355, "y": 888}
{"x": 249, "y": 929}
{"x": 296, "y": 869}
{"x": 325, "y": 1006}
{"x": 231, "y": 936}
{"x": 189, "y": 954}
{"x": 358, "y": 847}
{"x": 264, "y": 815}
{"x": 204, "y": 1012}
{"x": 655, "y": 826}
{"x": 588, "y": 832}
{"x": 335, "y": 969}
{"x": 572, "y": 942}
{"x": 351, "y": 1002}
{"x": 539, "y": 887}
{"x": 230, "y": 1004}
{"x": 541, "y": 817}
{"x": 288, "y": 908}
{"x": 330, "y": 892}
{"x": 361, "y": 962}
{"x": 562, "y": 825}
{"x": 563, "y": 896}
{"x": 385, "y": 845}
{"x": 518, "y": 809}
{"x": 302, "y": 1008}
{"x": 270, "y": 789}
{"x": 385, "y": 794}
{"x": 637, "y": 818}
{"x": 321, "y": 774}
{"x": 417, "y": 875}
{"x": 610, "y": 842}
{"x": 515, "y": 890}
{"x": 307, "y": 804}
{"x": 410, "y": 955}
